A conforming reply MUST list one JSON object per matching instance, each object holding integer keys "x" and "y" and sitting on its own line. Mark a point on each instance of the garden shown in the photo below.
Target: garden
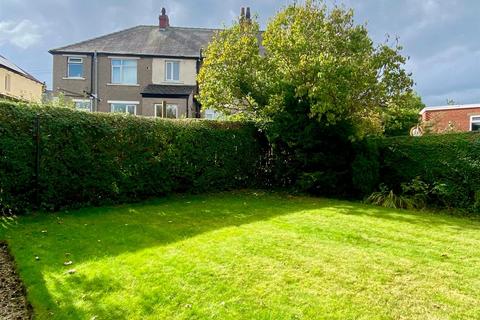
{"x": 311, "y": 201}
{"x": 248, "y": 255}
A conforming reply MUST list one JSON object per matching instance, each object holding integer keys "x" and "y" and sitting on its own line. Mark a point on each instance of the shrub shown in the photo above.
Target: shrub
{"x": 388, "y": 199}
{"x": 366, "y": 167}
{"x": 99, "y": 158}
{"x": 445, "y": 166}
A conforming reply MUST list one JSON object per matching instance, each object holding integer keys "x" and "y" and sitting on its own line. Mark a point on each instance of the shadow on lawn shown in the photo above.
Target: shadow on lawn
{"x": 98, "y": 233}
{"x": 419, "y": 218}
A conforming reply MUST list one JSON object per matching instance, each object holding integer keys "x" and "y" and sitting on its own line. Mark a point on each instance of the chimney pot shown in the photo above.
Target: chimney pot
{"x": 163, "y": 20}
{"x": 248, "y": 16}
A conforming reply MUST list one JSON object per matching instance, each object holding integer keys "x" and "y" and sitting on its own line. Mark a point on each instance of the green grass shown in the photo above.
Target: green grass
{"x": 249, "y": 256}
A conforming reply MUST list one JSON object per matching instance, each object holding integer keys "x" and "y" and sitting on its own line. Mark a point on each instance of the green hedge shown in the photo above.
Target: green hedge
{"x": 449, "y": 164}
{"x": 99, "y": 158}
{"x": 93, "y": 159}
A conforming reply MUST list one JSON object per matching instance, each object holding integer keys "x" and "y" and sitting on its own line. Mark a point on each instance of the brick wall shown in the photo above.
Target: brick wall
{"x": 456, "y": 119}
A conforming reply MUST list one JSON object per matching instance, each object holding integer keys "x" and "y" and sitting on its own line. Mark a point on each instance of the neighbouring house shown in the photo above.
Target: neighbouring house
{"x": 17, "y": 84}
{"x": 145, "y": 70}
{"x": 452, "y": 118}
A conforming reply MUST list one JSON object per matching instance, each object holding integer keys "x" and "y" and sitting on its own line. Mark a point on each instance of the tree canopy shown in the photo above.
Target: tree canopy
{"x": 315, "y": 82}
{"x": 308, "y": 56}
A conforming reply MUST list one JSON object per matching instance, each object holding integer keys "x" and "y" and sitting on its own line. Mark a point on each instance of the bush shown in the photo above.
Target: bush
{"x": 366, "y": 167}
{"x": 99, "y": 158}
{"x": 445, "y": 166}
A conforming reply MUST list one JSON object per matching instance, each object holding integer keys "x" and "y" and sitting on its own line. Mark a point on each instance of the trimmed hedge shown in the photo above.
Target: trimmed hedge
{"x": 449, "y": 164}
{"x": 99, "y": 158}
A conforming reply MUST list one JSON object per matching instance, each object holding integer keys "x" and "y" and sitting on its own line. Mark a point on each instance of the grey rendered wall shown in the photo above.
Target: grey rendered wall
{"x": 77, "y": 86}
{"x": 107, "y": 91}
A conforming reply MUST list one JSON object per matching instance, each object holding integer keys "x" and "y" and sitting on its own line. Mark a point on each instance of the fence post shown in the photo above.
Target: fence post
{"x": 36, "y": 142}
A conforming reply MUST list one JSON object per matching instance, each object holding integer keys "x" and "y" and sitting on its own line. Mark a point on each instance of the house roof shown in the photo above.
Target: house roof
{"x": 167, "y": 90}
{"x": 450, "y": 107}
{"x": 147, "y": 40}
{"x": 14, "y": 68}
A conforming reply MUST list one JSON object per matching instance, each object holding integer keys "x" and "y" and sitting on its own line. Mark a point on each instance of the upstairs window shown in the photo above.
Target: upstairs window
{"x": 172, "y": 71}
{"x": 75, "y": 67}
{"x": 124, "y": 71}
{"x": 475, "y": 123}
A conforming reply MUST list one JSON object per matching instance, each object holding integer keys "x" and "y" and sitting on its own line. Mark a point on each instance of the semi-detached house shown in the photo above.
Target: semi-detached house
{"x": 145, "y": 70}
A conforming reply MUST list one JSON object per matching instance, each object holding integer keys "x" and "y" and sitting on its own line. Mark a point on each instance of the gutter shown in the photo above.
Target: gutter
{"x": 146, "y": 55}
{"x": 453, "y": 107}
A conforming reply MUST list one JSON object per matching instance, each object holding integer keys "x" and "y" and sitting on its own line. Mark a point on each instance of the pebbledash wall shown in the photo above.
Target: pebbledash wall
{"x": 452, "y": 118}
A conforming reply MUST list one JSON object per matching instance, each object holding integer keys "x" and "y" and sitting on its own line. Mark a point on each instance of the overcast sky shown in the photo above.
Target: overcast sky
{"x": 441, "y": 37}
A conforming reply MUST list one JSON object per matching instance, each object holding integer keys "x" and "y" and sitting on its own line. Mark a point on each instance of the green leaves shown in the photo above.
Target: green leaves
{"x": 99, "y": 158}
{"x": 319, "y": 56}
{"x": 315, "y": 82}
{"x": 441, "y": 167}
{"x": 228, "y": 77}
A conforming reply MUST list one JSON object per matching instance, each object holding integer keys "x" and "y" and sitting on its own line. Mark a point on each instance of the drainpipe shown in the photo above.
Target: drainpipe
{"x": 198, "y": 65}
{"x": 95, "y": 94}
{"x": 90, "y": 91}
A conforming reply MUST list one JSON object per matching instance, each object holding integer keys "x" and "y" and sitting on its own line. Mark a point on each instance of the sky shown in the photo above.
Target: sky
{"x": 441, "y": 37}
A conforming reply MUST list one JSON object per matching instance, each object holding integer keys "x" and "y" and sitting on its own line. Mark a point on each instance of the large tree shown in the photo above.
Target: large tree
{"x": 314, "y": 79}
{"x": 318, "y": 57}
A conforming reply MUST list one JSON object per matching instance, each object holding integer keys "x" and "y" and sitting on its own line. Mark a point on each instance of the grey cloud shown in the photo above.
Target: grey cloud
{"x": 23, "y": 34}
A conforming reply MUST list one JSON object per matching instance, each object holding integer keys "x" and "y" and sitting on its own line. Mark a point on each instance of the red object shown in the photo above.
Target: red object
{"x": 163, "y": 20}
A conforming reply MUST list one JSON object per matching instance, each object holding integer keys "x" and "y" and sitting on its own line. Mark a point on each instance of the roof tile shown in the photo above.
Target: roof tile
{"x": 147, "y": 40}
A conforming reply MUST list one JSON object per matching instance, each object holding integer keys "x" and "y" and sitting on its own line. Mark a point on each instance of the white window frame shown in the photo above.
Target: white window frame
{"x": 80, "y": 63}
{"x": 121, "y": 71}
{"x": 477, "y": 121}
{"x": 165, "y": 104}
{"x": 83, "y": 100}
{"x": 171, "y": 62}
{"x": 126, "y": 103}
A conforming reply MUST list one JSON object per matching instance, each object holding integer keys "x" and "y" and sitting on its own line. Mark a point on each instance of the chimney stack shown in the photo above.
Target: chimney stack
{"x": 245, "y": 17}
{"x": 242, "y": 13}
{"x": 163, "y": 20}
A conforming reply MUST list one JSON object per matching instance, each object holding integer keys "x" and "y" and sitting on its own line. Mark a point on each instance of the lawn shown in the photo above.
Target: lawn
{"x": 247, "y": 255}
